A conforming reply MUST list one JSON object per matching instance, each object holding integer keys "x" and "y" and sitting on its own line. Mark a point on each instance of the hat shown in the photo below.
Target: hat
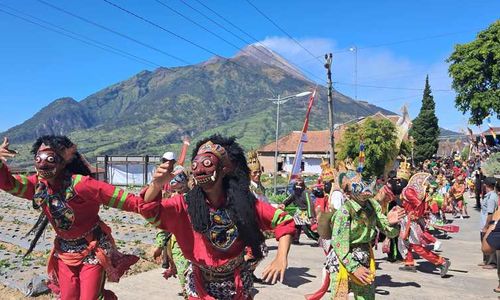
{"x": 169, "y": 156}
{"x": 327, "y": 173}
{"x": 253, "y": 161}
{"x": 490, "y": 181}
{"x": 404, "y": 170}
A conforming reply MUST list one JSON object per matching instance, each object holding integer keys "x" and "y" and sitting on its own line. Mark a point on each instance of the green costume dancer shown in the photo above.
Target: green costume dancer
{"x": 181, "y": 263}
{"x": 354, "y": 228}
{"x": 177, "y": 263}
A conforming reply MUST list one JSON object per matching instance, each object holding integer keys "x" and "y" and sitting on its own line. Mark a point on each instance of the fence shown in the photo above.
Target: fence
{"x": 126, "y": 170}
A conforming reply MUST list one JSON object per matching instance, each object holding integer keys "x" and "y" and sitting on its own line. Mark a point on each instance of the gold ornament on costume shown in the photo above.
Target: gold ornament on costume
{"x": 327, "y": 173}
{"x": 404, "y": 170}
{"x": 253, "y": 161}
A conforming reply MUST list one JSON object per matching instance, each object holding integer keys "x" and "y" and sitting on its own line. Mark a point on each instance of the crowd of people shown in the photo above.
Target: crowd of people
{"x": 214, "y": 218}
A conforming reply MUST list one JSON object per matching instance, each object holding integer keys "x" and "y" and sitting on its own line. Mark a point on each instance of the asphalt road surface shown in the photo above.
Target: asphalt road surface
{"x": 465, "y": 280}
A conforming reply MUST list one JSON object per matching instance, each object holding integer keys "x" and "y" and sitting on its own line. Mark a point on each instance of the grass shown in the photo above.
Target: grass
{"x": 4, "y": 263}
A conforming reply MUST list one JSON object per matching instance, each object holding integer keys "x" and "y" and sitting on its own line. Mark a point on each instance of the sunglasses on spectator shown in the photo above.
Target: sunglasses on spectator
{"x": 164, "y": 160}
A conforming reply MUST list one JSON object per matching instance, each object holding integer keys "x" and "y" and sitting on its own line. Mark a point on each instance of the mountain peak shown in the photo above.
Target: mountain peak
{"x": 264, "y": 55}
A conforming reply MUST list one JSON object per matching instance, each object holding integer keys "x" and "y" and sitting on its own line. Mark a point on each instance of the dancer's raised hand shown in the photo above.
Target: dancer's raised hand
{"x": 5, "y": 153}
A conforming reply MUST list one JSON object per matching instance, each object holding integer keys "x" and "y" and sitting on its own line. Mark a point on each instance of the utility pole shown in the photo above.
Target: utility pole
{"x": 328, "y": 66}
{"x": 278, "y": 102}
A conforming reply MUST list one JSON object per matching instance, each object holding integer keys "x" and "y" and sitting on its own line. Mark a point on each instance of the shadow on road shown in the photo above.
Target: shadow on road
{"x": 386, "y": 280}
{"x": 296, "y": 277}
{"x": 427, "y": 267}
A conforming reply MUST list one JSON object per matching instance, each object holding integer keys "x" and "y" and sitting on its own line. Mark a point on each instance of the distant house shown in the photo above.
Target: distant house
{"x": 317, "y": 147}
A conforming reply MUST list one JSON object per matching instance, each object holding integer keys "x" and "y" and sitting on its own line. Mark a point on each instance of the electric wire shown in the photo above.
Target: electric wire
{"x": 122, "y": 52}
{"x": 391, "y": 87}
{"x": 93, "y": 44}
{"x": 144, "y": 19}
{"x": 200, "y": 46}
{"x": 113, "y": 31}
{"x": 282, "y": 30}
{"x": 198, "y": 24}
{"x": 233, "y": 34}
{"x": 159, "y": 27}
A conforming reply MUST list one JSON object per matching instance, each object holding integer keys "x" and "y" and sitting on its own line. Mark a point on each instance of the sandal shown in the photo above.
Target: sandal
{"x": 496, "y": 290}
{"x": 489, "y": 267}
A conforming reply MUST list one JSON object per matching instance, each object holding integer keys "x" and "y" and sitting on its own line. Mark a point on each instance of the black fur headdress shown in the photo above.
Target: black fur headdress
{"x": 240, "y": 201}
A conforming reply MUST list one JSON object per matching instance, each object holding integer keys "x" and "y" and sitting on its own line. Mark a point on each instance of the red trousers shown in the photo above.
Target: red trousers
{"x": 83, "y": 282}
{"x": 427, "y": 237}
{"x": 424, "y": 253}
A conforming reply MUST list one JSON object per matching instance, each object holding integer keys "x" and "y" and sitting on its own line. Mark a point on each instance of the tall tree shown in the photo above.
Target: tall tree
{"x": 379, "y": 138}
{"x": 475, "y": 69}
{"x": 425, "y": 129}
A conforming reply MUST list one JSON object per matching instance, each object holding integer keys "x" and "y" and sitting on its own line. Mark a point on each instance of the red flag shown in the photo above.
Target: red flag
{"x": 303, "y": 139}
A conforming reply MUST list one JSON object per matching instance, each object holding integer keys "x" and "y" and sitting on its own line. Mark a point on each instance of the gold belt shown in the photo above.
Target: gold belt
{"x": 222, "y": 273}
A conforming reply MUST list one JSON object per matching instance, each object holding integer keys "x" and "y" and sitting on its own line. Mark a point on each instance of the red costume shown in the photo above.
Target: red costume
{"x": 83, "y": 247}
{"x": 213, "y": 231}
{"x": 413, "y": 233}
{"x": 218, "y": 253}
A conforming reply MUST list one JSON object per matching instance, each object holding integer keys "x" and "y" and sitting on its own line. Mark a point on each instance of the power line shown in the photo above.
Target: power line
{"x": 211, "y": 32}
{"x": 115, "y": 50}
{"x": 282, "y": 30}
{"x": 216, "y": 23}
{"x": 224, "y": 28}
{"x": 235, "y": 35}
{"x": 171, "y": 32}
{"x": 92, "y": 43}
{"x": 401, "y": 42}
{"x": 160, "y": 27}
{"x": 228, "y": 21}
{"x": 392, "y": 87}
{"x": 113, "y": 31}
{"x": 198, "y": 24}
{"x": 417, "y": 39}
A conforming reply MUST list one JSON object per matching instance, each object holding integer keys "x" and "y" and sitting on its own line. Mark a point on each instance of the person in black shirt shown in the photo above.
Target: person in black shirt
{"x": 302, "y": 200}
{"x": 478, "y": 187}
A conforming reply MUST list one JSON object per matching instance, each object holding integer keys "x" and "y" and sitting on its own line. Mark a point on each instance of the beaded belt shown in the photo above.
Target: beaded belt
{"x": 82, "y": 239}
{"x": 220, "y": 273}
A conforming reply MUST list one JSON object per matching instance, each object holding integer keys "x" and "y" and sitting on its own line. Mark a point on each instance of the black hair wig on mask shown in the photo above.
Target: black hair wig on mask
{"x": 75, "y": 166}
{"x": 240, "y": 201}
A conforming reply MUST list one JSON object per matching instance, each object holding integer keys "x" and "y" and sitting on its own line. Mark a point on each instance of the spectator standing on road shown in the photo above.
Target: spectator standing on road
{"x": 478, "y": 187}
{"x": 488, "y": 206}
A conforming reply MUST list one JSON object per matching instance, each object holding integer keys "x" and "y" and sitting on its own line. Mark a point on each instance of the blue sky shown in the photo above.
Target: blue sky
{"x": 398, "y": 43}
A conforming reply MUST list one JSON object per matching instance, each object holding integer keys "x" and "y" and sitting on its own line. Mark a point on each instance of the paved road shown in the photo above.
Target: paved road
{"x": 465, "y": 281}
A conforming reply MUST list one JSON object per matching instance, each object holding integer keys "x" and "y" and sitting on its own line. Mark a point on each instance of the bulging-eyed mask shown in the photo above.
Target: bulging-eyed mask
{"x": 206, "y": 168}
{"x": 48, "y": 163}
{"x": 210, "y": 163}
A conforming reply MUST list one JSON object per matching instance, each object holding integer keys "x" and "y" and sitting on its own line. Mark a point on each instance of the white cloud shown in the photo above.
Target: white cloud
{"x": 375, "y": 67}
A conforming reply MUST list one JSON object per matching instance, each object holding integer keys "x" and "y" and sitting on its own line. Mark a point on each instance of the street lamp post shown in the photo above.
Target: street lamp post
{"x": 355, "y": 50}
{"x": 278, "y": 101}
